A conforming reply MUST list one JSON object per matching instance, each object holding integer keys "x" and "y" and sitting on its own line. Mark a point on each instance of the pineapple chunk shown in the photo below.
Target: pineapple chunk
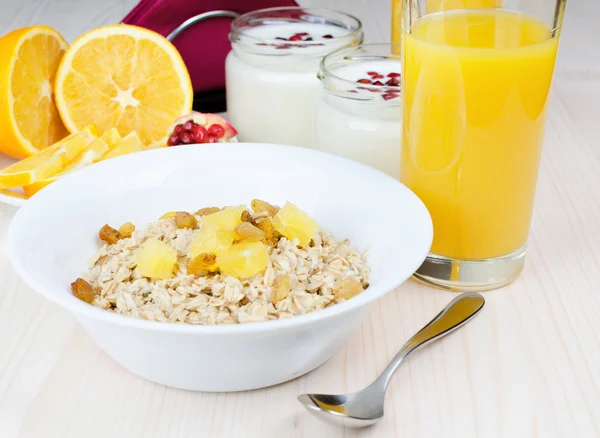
{"x": 244, "y": 259}
{"x": 227, "y": 219}
{"x": 156, "y": 259}
{"x": 210, "y": 240}
{"x": 293, "y": 223}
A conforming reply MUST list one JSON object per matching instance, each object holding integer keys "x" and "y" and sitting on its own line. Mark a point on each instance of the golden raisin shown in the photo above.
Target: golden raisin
{"x": 185, "y": 220}
{"x": 347, "y": 288}
{"x": 258, "y": 206}
{"x": 247, "y": 231}
{"x": 126, "y": 230}
{"x": 281, "y": 288}
{"x": 83, "y": 290}
{"x": 267, "y": 227}
{"x": 247, "y": 217}
{"x": 109, "y": 235}
{"x": 201, "y": 262}
{"x": 167, "y": 215}
{"x": 207, "y": 211}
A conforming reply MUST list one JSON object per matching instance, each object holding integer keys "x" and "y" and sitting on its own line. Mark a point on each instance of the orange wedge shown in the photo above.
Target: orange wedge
{"x": 91, "y": 154}
{"x": 123, "y": 77}
{"x": 47, "y": 162}
{"x": 128, "y": 144}
{"x": 29, "y": 120}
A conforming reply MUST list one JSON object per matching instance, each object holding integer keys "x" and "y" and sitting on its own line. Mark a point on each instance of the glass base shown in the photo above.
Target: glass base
{"x": 459, "y": 275}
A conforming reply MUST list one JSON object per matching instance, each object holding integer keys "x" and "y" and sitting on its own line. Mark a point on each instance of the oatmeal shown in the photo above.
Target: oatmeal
{"x": 235, "y": 265}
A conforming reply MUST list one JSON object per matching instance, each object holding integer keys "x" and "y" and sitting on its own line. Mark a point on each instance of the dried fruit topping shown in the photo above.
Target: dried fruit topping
{"x": 259, "y": 206}
{"x": 206, "y": 211}
{"x": 227, "y": 219}
{"x": 393, "y": 75}
{"x": 327, "y": 37}
{"x": 388, "y": 94}
{"x": 378, "y": 83}
{"x": 364, "y": 81}
{"x": 156, "y": 259}
{"x": 347, "y": 288}
{"x": 281, "y": 288}
{"x": 210, "y": 240}
{"x": 126, "y": 230}
{"x": 201, "y": 263}
{"x": 297, "y": 37}
{"x": 244, "y": 259}
{"x": 293, "y": 223}
{"x": 185, "y": 220}
{"x": 248, "y": 232}
{"x": 271, "y": 234}
{"x": 109, "y": 235}
{"x": 201, "y": 128}
{"x": 247, "y": 217}
{"x": 83, "y": 290}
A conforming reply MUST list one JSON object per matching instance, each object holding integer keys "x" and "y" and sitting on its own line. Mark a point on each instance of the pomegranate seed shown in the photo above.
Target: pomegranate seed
{"x": 178, "y": 129}
{"x": 393, "y": 75}
{"x": 378, "y": 83}
{"x": 308, "y": 39}
{"x": 372, "y": 73}
{"x": 173, "y": 140}
{"x": 212, "y": 138}
{"x": 199, "y": 134}
{"x": 374, "y": 90}
{"x": 188, "y": 126}
{"x": 388, "y": 96}
{"x": 217, "y": 130}
{"x": 352, "y": 91}
{"x": 327, "y": 37}
{"x": 295, "y": 38}
{"x": 393, "y": 82}
{"x": 364, "y": 81}
{"x": 378, "y": 77}
{"x": 186, "y": 138}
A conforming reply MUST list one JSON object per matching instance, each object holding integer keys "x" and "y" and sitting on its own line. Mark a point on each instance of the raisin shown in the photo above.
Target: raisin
{"x": 126, "y": 230}
{"x": 247, "y": 231}
{"x": 185, "y": 220}
{"x": 258, "y": 206}
{"x": 83, "y": 290}
{"x": 207, "y": 211}
{"x": 200, "y": 263}
{"x": 109, "y": 235}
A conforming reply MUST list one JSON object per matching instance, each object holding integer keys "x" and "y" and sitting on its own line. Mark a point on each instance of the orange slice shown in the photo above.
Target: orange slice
{"x": 128, "y": 144}
{"x": 29, "y": 120}
{"x": 92, "y": 153}
{"x": 123, "y": 77}
{"x": 47, "y": 162}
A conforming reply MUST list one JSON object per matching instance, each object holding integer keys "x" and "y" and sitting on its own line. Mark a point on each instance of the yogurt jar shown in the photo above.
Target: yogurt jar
{"x": 358, "y": 113}
{"x": 271, "y": 71}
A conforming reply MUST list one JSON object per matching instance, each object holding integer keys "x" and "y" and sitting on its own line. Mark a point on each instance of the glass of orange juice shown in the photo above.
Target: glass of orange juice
{"x": 476, "y": 81}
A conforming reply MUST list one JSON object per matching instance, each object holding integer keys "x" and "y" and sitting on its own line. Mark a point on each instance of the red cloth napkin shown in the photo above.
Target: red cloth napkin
{"x": 204, "y": 45}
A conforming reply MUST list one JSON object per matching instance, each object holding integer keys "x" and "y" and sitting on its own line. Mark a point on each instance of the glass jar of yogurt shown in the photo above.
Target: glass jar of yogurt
{"x": 271, "y": 71}
{"x": 358, "y": 111}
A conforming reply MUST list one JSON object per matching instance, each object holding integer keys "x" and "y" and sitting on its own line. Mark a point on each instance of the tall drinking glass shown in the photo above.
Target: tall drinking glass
{"x": 476, "y": 83}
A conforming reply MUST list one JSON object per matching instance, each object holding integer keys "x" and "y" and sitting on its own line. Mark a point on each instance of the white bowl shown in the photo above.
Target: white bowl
{"x": 53, "y": 235}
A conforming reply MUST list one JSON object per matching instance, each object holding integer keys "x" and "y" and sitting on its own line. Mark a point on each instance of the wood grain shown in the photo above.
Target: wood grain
{"x": 529, "y": 366}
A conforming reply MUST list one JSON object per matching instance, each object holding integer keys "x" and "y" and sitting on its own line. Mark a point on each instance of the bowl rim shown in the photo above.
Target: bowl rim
{"x": 80, "y": 308}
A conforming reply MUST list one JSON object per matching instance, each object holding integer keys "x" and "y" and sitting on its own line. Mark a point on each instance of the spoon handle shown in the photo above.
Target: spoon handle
{"x": 456, "y": 314}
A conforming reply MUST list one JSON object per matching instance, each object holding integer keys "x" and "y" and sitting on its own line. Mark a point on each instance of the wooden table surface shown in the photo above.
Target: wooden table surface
{"x": 528, "y": 366}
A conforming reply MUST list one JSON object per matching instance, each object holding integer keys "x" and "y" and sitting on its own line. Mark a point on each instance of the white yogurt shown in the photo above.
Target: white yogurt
{"x": 272, "y": 84}
{"x": 362, "y": 125}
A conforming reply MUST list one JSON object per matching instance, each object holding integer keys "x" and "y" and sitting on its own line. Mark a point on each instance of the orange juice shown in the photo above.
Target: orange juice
{"x": 475, "y": 91}
{"x": 436, "y": 6}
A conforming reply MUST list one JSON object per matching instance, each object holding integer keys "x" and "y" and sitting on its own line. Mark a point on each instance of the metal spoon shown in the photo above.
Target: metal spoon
{"x": 365, "y": 407}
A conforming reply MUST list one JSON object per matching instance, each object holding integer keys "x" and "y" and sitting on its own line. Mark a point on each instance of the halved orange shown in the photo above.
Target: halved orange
{"x": 47, "y": 162}
{"x": 91, "y": 154}
{"x": 29, "y": 120}
{"x": 123, "y": 77}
